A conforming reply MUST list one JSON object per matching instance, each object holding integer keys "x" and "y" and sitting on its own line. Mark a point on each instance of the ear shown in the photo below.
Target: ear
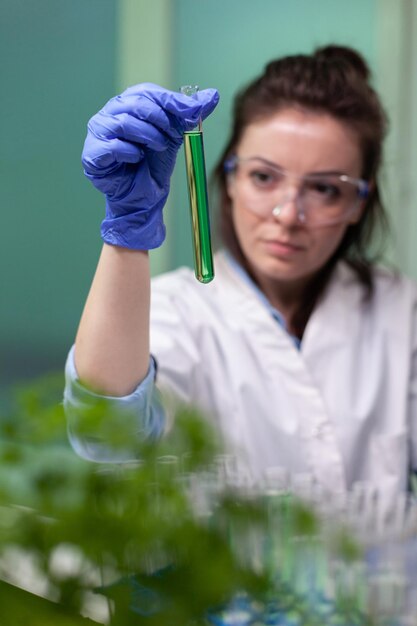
{"x": 230, "y": 185}
{"x": 357, "y": 215}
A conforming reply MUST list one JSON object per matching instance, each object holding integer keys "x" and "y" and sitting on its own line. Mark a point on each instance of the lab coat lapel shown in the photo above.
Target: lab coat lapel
{"x": 335, "y": 316}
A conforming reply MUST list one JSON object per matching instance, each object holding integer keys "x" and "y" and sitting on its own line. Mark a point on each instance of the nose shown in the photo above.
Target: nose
{"x": 287, "y": 211}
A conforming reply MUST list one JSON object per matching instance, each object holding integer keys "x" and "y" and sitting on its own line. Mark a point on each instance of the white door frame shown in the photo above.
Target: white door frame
{"x": 396, "y": 81}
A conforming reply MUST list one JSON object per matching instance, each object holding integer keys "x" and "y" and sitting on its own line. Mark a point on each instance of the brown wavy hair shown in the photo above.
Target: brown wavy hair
{"x": 333, "y": 80}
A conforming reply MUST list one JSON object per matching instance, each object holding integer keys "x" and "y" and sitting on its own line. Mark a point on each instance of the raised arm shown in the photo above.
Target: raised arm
{"x": 129, "y": 155}
{"x": 112, "y": 344}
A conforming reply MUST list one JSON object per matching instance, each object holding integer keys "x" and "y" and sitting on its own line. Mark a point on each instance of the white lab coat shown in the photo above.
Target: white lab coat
{"x": 343, "y": 408}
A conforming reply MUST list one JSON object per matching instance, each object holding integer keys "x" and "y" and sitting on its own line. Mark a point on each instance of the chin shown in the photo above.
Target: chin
{"x": 274, "y": 269}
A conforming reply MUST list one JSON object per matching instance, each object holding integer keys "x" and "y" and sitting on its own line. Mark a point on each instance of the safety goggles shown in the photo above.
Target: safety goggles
{"x": 320, "y": 199}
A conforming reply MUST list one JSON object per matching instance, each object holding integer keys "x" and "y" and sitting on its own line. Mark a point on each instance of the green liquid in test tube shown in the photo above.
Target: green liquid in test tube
{"x": 197, "y": 191}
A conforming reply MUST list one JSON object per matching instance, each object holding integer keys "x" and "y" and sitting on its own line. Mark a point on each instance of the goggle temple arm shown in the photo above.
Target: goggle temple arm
{"x": 229, "y": 164}
{"x": 364, "y": 189}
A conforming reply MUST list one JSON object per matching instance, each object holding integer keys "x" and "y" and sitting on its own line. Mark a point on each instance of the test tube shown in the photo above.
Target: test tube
{"x": 197, "y": 192}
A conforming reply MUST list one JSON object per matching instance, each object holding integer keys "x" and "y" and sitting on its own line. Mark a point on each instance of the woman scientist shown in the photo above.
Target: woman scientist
{"x": 302, "y": 351}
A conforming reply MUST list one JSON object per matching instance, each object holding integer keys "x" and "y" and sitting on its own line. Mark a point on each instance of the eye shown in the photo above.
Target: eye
{"x": 264, "y": 178}
{"x": 325, "y": 189}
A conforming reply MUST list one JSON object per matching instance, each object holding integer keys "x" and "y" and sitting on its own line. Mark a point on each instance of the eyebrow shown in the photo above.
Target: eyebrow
{"x": 283, "y": 169}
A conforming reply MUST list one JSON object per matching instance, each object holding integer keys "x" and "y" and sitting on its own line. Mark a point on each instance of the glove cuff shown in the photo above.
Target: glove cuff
{"x": 135, "y": 231}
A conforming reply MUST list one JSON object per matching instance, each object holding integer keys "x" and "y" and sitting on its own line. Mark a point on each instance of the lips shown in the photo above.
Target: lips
{"x": 289, "y": 244}
{"x": 280, "y": 247}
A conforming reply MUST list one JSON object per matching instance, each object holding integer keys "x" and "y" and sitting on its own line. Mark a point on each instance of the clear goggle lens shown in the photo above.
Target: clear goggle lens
{"x": 265, "y": 189}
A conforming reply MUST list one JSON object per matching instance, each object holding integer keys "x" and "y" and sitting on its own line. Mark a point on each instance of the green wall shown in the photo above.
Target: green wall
{"x": 57, "y": 68}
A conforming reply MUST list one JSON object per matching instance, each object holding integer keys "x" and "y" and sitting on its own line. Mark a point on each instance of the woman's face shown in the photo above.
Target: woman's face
{"x": 282, "y": 250}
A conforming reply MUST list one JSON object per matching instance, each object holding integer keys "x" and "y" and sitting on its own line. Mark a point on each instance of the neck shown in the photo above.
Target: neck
{"x": 295, "y": 300}
{"x": 287, "y": 299}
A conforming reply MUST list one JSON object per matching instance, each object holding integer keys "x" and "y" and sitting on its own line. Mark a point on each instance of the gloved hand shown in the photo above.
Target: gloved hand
{"x": 129, "y": 155}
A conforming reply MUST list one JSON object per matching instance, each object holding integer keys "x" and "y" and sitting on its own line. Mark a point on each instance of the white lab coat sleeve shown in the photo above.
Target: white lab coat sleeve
{"x": 178, "y": 306}
{"x": 144, "y": 403}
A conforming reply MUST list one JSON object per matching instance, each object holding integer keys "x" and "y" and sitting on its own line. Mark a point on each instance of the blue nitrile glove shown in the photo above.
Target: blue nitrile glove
{"x": 129, "y": 155}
